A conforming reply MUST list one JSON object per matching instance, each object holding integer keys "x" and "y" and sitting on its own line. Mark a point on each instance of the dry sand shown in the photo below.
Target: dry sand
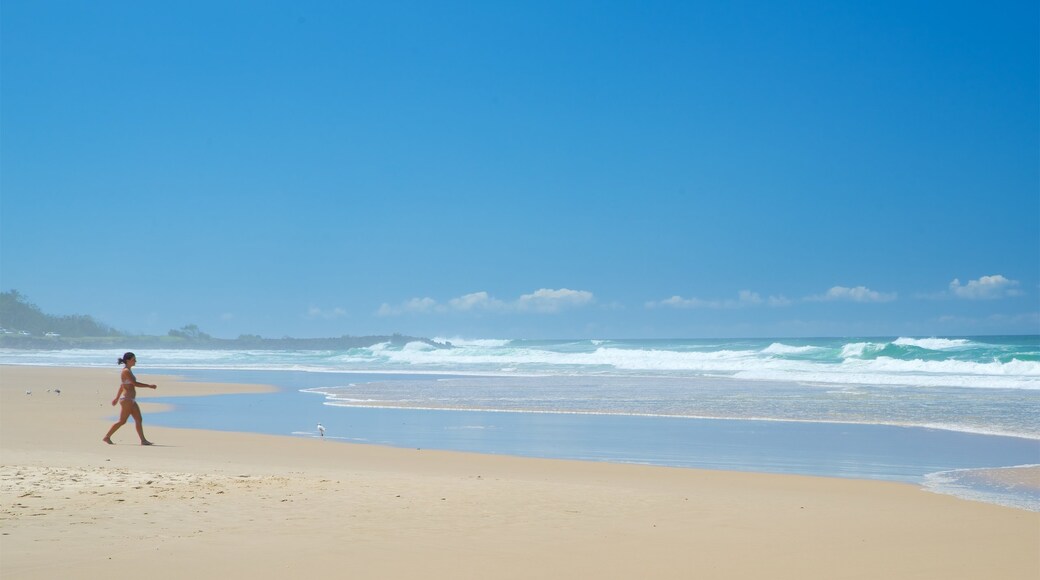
{"x": 204, "y": 504}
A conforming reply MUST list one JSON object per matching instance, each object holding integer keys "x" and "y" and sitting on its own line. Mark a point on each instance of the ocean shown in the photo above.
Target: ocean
{"x": 949, "y": 413}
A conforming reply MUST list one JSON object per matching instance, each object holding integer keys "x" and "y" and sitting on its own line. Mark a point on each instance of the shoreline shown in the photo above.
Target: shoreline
{"x": 938, "y": 427}
{"x": 209, "y": 504}
{"x": 178, "y": 373}
{"x": 923, "y": 455}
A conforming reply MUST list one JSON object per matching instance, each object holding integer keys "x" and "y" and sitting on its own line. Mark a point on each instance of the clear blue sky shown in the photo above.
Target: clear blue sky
{"x": 524, "y": 169}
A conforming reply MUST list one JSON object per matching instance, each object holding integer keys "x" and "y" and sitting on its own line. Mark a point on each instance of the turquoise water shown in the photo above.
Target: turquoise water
{"x": 1003, "y": 362}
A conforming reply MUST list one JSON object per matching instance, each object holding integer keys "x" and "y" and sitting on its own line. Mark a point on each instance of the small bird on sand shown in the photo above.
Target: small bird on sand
{"x": 321, "y": 429}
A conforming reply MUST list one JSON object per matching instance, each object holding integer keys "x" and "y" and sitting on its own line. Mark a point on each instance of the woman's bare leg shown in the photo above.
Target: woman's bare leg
{"x": 136, "y": 412}
{"x": 124, "y": 414}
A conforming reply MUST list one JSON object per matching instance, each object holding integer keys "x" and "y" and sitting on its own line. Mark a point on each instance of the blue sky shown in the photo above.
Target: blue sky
{"x": 524, "y": 169}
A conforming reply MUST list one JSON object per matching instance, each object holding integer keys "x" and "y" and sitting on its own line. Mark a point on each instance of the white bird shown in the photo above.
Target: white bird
{"x": 321, "y": 429}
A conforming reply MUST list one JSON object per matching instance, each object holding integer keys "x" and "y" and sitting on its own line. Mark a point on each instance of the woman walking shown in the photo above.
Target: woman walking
{"x": 127, "y": 399}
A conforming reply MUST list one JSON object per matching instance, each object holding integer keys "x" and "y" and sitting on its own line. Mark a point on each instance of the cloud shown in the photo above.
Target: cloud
{"x": 476, "y": 301}
{"x": 745, "y": 298}
{"x": 547, "y": 300}
{"x": 857, "y": 294}
{"x": 544, "y": 300}
{"x": 679, "y": 302}
{"x": 314, "y": 312}
{"x": 985, "y": 288}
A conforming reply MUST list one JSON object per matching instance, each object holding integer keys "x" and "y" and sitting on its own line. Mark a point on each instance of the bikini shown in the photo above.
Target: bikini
{"x": 128, "y": 389}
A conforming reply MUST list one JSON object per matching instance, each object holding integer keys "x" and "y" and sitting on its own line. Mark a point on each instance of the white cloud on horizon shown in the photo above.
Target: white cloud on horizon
{"x": 857, "y": 294}
{"x": 745, "y": 298}
{"x": 476, "y": 301}
{"x": 985, "y": 288}
{"x": 544, "y": 300}
{"x": 547, "y": 300}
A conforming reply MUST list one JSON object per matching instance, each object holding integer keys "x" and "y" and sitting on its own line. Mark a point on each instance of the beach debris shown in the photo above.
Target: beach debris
{"x": 321, "y": 429}
{"x": 57, "y": 391}
{"x": 28, "y": 391}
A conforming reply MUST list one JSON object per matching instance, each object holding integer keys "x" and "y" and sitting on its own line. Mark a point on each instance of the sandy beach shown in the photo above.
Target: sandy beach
{"x": 215, "y": 504}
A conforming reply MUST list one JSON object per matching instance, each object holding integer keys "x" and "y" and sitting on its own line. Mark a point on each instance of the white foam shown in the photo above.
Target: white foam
{"x": 934, "y": 343}
{"x": 781, "y": 348}
{"x": 970, "y": 484}
{"x": 418, "y": 345}
{"x": 1014, "y": 368}
{"x": 897, "y": 375}
{"x": 483, "y": 342}
{"x": 858, "y": 349}
{"x": 490, "y": 357}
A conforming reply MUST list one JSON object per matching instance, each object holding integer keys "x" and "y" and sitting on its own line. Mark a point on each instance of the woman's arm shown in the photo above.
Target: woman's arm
{"x": 138, "y": 383}
{"x": 119, "y": 393}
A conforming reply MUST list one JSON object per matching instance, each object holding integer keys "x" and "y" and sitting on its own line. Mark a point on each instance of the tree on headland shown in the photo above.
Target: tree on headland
{"x": 17, "y": 314}
{"x": 190, "y": 332}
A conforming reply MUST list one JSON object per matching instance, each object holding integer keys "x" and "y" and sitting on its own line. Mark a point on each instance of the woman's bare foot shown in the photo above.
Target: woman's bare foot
{"x": 107, "y": 440}
{"x": 146, "y": 443}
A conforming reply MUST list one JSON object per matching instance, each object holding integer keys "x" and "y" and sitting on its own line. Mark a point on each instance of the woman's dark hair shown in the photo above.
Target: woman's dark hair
{"x": 125, "y": 358}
